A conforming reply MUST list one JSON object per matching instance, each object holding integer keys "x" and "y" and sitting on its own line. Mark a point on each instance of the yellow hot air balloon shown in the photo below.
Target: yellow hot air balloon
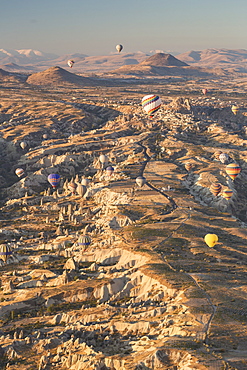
{"x": 232, "y": 170}
{"x": 188, "y": 166}
{"x": 227, "y": 194}
{"x": 211, "y": 240}
{"x": 234, "y": 109}
{"x": 217, "y": 154}
{"x": 5, "y": 252}
{"x": 215, "y": 188}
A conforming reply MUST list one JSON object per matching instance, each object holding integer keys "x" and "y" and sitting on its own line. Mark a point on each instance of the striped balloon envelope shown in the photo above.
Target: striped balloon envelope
{"x": 151, "y": 103}
{"x": 72, "y": 187}
{"x": 109, "y": 170}
{"x": 5, "y": 252}
{"x": 188, "y": 166}
{"x": 19, "y": 172}
{"x": 81, "y": 189}
{"x": 215, "y": 188}
{"x": 217, "y": 154}
{"x": 232, "y": 170}
{"x": 84, "y": 240}
{"x": 234, "y": 109}
{"x": 227, "y": 193}
{"x": 54, "y": 179}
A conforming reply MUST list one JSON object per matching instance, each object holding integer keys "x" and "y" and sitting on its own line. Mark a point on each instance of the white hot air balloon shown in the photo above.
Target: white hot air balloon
{"x": 23, "y": 145}
{"x": 103, "y": 158}
{"x": 71, "y": 63}
{"x": 119, "y": 48}
{"x": 19, "y": 172}
{"x": 81, "y": 189}
{"x": 140, "y": 180}
{"x": 224, "y": 158}
{"x": 151, "y": 103}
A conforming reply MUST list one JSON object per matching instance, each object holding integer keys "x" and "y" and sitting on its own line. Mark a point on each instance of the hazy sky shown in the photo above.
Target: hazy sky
{"x": 94, "y": 27}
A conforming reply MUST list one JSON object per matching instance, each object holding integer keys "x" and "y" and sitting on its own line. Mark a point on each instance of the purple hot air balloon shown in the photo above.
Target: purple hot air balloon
{"x": 54, "y": 179}
{"x": 109, "y": 170}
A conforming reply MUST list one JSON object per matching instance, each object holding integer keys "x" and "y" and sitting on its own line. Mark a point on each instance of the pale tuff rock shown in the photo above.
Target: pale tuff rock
{"x": 70, "y": 264}
{"x": 60, "y": 280}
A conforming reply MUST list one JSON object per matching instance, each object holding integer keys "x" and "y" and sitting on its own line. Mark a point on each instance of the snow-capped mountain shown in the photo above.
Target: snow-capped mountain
{"x": 24, "y": 56}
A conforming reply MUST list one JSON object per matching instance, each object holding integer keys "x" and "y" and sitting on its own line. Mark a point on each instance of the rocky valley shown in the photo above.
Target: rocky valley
{"x": 106, "y": 272}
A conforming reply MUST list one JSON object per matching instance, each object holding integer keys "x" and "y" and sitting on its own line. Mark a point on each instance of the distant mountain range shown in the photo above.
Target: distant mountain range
{"x": 224, "y": 58}
{"x": 29, "y": 60}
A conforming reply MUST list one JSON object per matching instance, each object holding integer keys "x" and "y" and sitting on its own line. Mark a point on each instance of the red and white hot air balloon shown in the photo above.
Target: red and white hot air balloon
{"x": 71, "y": 63}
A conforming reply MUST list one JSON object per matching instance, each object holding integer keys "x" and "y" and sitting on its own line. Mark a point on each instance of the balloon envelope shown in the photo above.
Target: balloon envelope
{"x": 217, "y": 154}
{"x": 232, "y": 170}
{"x": 234, "y": 109}
{"x": 72, "y": 187}
{"x": 19, "y": 172}
{"x": 109, "y": 170}
{"x": 103, "y": 158}
{"x": 71, "y": 63}
{"x": 54, "y": 179}
{"x": 223, "y": 157}
{"x": 23, "y": 145}
{"x": 119, "y": 48}
{"x": 211, "y": 240}
{"x": 5, "y": 252}
{"x": 227, "y": 194}
{"x": 84, "y": 240}
{"x": 151, "y": 103}
{"x": 204, "y": 91}
{"x": 215, "y": 188}
{"x": 188, "y": 166}
{"x": 140, "y": 181}
{"x": 81, "y": 189}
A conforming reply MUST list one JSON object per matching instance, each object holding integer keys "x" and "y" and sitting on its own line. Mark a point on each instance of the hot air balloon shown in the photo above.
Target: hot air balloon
{"x": 85, "y": 182}
{"x": 119, "y": 48}
{"x": 215, "y": 188}
{"x": 103, "y": 158}
{"x": 234, "y": 109}
{"x": 81, "y": 189}
{"x": 84, "y": 240}
{"x": 23, "y": 145}
{"x": 151, "y": 103}
{"x": 19, "y": 172}
{"x": 72, "y": 187}
{"x": 109, "y": 170}
{"x": 188, "y": 166}
{"x": 204, "y": 91}
{"x": 140, "y": 181}
{"x": 54, "y": 179}
{"x": 45, "y": 136}
{"x": 224, "y": 158}
{"x": 71, "y": 63}
{"x": 217, "y": 154}
{"x": 227, "y": 194}
{"x": 5, "y": 252}
{"x": 232, "y": 170}
{"x": 211, "y": 240}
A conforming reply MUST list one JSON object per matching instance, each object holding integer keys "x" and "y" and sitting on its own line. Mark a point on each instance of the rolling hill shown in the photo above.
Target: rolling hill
{"x": 57, "y": 76}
